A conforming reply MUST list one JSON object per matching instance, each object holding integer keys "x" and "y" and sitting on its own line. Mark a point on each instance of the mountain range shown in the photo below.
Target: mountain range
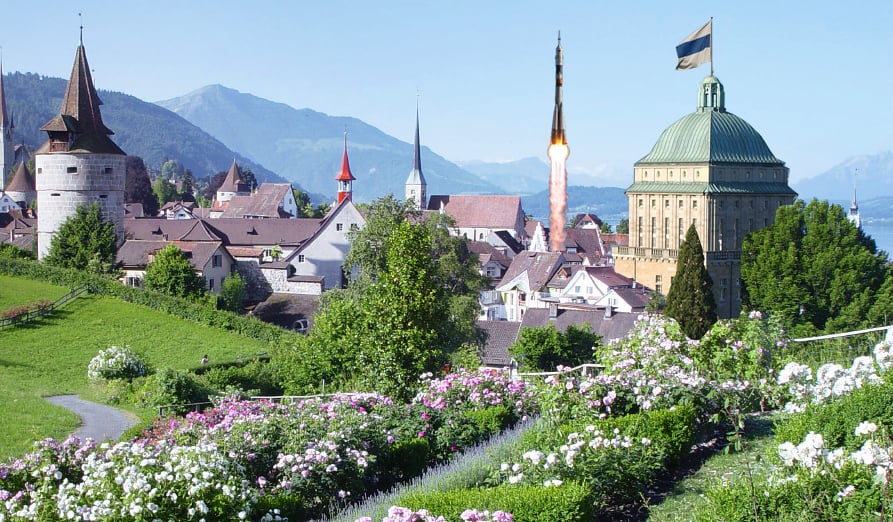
{"x": 208, "y": 128}
{"x": 305, "y": 146}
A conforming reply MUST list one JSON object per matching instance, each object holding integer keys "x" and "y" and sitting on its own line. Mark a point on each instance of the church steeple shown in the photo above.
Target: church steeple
{"x": 416, "y": 187}
{"x": 854, "y": 216}
{"x": 345, "y": 177}
{"x": 558, "y": 116}
{"x": 7, "y": 148}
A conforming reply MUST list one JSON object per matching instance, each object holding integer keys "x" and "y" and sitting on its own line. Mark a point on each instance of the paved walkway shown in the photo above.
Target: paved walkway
{"x": 98, "y": 421}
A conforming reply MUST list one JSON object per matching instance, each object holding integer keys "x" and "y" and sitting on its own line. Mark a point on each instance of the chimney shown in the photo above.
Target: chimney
{"x": 553, "y": 310}
{"x": 609, "y": 311}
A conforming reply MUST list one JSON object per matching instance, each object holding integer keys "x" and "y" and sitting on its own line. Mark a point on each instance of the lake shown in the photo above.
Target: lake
{"x": 881, "y": 232}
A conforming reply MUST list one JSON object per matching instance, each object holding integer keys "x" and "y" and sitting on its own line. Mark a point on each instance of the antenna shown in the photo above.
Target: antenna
{"x": 81, "y": 20}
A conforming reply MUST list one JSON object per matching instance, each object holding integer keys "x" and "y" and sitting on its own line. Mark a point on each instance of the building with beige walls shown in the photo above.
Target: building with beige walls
{"x": 711, "y": 169}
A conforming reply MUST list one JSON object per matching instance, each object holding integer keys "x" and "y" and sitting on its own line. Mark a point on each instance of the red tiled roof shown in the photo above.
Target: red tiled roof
{"x": 22, "y": 181}
{"x": 480, "y": 211}
{"x": 539, "y": 268}
{"x": 264, "y": 203}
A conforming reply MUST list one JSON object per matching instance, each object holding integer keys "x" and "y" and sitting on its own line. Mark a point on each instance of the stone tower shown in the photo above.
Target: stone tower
{"x": 7, "y": 149}
{"x": 79, "y": 164}
{"x": 416, "y": 187}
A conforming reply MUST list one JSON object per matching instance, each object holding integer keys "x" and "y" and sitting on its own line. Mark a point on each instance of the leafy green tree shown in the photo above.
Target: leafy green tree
{"x": 368, "y": 256}
{"x": 214, "y": 184}
{"x": 171, "y": 169}
{"x": 623, "y": 226}
{"x": 544, "y": 349}
{"x": 9, "y": 251}
{"x": 305, "y": 206}
{"x": 690, "y": 299}
{"x": 165, "y": 191}
{"x": 232, "y": 293}
{"x": 606, "y": 228}
{"x": 138, "y": 186}
{"x": 84, "y": 241}
{"x": 816, "y": 270}
{"x": 171, "y": 273}
{"x": 248, "y": 177}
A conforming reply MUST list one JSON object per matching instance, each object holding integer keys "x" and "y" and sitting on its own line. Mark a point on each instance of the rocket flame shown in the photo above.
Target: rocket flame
{"x": 558, "y": 154}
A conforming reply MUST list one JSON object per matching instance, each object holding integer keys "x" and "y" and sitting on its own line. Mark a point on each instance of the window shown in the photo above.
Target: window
{"x": 589, "y": 290}
{"x": 133, "y": 281}
{"x": 680, "y": 203}
{"x": 666, "y": 203}
{"x": 339, "y": 226}
{"x": 216, "y": 260}
{"x": 103, "y": 196}
{"x": 211, "y": 284}
{"x": 300, "y": 258}
{"x": 71, "y": 170}
{"x": 640, "y": 231}
{"x": 354, "y": 226}
{"x": 577, "y": 289}
{"x": 666, "y": 232}
{"x": 694, "y": 203}
{"x": 108, "y": 170}
{"x": 641, "y": 202}
{"x": 653, "y": 232}
{"x": 659, "y": 284}
{"x": 719, "y": 204}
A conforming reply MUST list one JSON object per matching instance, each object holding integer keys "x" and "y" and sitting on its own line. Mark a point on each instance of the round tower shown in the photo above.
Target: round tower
{"x": 79, "y": 164}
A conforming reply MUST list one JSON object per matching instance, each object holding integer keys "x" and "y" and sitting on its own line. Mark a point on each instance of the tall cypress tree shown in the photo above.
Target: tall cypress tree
{"x": 690, "y": 299}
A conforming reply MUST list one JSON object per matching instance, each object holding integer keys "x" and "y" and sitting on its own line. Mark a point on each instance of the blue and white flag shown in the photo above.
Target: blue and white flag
{"x": 696, "y": 48}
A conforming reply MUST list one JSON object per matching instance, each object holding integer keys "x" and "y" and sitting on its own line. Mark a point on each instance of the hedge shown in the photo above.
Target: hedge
{"x": 197, "y": 312}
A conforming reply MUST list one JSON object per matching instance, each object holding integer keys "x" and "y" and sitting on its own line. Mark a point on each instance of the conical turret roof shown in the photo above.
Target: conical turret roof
{"x": 22, "y": 181}
{"x": 345, "y": 174}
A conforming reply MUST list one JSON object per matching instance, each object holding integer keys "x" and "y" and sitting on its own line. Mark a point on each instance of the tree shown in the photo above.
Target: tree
{"x": 543, "y": 349}
{"x": 690, "y": 299}
{"x": 816, "y": 270}
{"x": 171, "y": 170}
{"x": 623, "y": 226}
{"x": 606, "y": 228}
{"x": 84, "y": 240}
{"x": 232, "y": 293}
{"x": 187, "y": 188}
{"x": 138, "y": 186}
{"x": 165, "y": 191}
{"x": 171, "y": 273}
{"x": 305, "y": 206}
{"x": 210, "y": 192}
{"x": 367, "y": 256}
{"x": 248, "y": 177}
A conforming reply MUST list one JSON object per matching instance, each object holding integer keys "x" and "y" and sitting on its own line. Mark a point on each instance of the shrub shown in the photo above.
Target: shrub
{"x": 116, "y": 363}
{"x": 253, "y": 378}
{"x": 170, "y": 386}
{"x": 569, "y": 502}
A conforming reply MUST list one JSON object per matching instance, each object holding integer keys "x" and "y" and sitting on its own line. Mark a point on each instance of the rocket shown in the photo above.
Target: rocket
{"x": 558, "y": 116}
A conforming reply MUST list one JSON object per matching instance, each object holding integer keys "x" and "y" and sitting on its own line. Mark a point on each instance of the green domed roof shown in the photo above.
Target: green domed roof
{"x": 710, "y": 135}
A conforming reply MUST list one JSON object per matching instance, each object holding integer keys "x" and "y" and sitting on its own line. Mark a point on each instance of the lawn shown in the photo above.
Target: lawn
{"x": 17, "y": 292}
{"x": 686, "y": 498}
{"x": 49, "y": 356}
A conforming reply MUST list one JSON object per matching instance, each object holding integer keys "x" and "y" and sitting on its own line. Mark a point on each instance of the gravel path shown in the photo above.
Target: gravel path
{"x": 98, "y": 421}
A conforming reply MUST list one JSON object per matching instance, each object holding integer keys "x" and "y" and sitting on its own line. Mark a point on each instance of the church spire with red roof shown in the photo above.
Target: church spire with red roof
{"x": 345, "y": 177}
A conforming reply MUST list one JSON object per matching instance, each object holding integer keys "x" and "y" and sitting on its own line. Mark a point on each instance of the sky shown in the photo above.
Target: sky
{"x": 813, "y": 78}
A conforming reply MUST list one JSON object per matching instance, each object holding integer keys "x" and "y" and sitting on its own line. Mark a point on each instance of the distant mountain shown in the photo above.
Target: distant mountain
{"x": 306, "y": 146}
{"x": 525, "y": 176}
{"x": 141, "y": 128}
{"x": 873, "y": 178}
{"x": 608, "y": 203}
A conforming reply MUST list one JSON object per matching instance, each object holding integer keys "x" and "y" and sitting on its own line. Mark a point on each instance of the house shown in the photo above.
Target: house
{"x": 591, "y": 283}
{"x": 7, "y": 204}
{"x": 586, "y": 221}
{"x": 499, "y": 336}
{"x": 302, "y": 255}
{"x": 476, "y": 217}
{"x": 525, "y": 283}
{"x": 209, "y": 259}
{"x": 178, "y": 210}
{"x": 270, "y": 200}
{"x": 18, "y": 230}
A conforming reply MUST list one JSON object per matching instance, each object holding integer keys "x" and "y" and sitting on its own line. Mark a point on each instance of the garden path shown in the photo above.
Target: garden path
{"x": 98, "y": 421}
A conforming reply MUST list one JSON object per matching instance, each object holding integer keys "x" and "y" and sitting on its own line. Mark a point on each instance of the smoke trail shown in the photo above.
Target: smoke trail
{"x": 558, "y": 153}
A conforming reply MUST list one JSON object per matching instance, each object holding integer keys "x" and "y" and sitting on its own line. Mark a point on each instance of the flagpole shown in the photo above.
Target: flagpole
{"x": 712, "y": 48}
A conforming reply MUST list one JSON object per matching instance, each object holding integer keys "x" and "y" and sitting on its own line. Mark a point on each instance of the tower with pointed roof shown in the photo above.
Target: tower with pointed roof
{"x": 22, "y": 189}
{"x": 7, "y": 147}
{"x": 710, "y": 169}
{"x": 79, "y": 164}
{"x": 854, "y": 216}
{"x": 345, "y": 177}
{"x": 232, "y": 185}
{"x": 416, "y": 187}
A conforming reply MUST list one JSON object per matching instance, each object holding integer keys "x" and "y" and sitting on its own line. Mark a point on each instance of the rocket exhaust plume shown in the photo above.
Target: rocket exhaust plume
{"x": 558, "y": 153}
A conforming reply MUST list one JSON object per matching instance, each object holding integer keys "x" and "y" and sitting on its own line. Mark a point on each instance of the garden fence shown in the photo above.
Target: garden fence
{"x": 40, "y": 311}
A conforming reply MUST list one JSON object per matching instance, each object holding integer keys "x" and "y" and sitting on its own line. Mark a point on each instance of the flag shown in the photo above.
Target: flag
{"x": 696, "y": 48}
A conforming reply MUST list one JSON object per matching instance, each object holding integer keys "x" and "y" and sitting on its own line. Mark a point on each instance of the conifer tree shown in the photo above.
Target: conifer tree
{"x": 84, "y": 240}
{"x": 690, "y": 299}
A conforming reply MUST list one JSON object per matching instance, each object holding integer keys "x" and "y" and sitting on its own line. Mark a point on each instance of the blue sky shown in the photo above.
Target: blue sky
{"x": 814, "y": 78}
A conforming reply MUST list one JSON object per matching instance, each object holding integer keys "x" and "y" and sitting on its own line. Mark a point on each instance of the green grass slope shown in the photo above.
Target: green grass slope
{"x": 50, "y": 356}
